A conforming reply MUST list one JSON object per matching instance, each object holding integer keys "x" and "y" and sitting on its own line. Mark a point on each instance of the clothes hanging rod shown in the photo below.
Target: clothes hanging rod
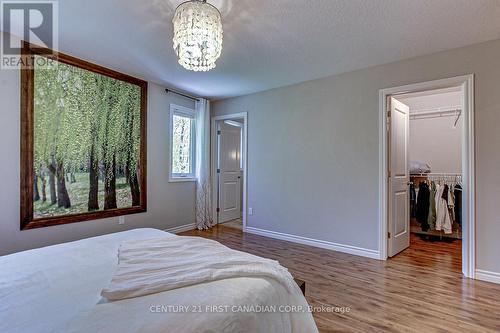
{"x": 436, "y": 114}
{"x": 182, "y": 94}
{"x": 436, "y": 174}
{"x": 453, "y": 108}
{"x": 427, "y": 113}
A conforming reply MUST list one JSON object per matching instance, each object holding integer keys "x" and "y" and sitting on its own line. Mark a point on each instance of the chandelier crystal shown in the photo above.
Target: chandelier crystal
{"x": 197, "y": 35}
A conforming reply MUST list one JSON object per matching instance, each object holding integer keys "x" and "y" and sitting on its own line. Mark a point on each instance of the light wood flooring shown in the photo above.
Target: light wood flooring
{"x": 420, "y": 290}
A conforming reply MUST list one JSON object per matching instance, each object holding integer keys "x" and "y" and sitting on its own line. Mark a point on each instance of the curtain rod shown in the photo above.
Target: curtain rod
{"x": 181, "y": 94}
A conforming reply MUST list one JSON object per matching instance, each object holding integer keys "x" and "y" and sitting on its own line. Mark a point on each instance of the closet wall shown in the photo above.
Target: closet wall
{"x": 436, "y": 140}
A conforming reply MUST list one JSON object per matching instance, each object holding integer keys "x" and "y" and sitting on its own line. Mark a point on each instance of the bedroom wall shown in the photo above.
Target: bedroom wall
{"x": 169, "y": 204}
{"x": 436, "y": 141}
{"x": 313, "y": 150}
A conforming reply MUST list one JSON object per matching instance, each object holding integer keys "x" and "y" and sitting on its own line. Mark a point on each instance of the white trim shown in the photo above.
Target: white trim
{"x": 191, "y": 113}
{"x": 469, "y": 175}
{"x": 181, "y": 179}
{"x": 181, "y": 228}
{"x": 466, "y": 82}
{"x": 358, "y": 251}
{"x": 215, "y": 119}
{"x": 487, "y": 276}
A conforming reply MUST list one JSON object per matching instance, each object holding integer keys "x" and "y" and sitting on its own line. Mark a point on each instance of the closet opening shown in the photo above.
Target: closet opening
{"x": 429, "y": 166}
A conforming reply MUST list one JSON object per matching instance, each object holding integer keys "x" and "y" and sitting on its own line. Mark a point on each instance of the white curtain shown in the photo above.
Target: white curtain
{"x": 204, "y": 219}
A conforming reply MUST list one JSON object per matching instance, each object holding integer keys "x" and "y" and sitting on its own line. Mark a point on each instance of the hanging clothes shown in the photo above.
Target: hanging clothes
{"x": 445, "y": 193}
{"x": 458, "y": 204}
{"x": 413, "y": 201}
{"x": 443, "y": 220}
{"x": 451, "y": 203}
{"x": 423, "y": 199}
{"x": 431, "y": 219}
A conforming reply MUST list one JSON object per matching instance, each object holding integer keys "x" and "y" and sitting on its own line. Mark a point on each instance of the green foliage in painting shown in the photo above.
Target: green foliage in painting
{"x": 87, "y": 126}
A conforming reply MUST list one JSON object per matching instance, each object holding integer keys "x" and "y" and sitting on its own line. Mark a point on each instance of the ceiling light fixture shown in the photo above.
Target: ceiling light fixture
{"x": 197, "y": 35}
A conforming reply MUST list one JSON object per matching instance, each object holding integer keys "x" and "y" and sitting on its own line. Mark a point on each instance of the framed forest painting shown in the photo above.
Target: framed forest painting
{"x": 83, "y": 140}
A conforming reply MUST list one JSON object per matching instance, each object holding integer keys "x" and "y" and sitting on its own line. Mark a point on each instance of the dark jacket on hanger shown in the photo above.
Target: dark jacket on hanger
{"x": 423, "y": 202}
{"x": 413, "y": 201}
{"x": 458, "y": 204}
{"x": 445, "y": 193}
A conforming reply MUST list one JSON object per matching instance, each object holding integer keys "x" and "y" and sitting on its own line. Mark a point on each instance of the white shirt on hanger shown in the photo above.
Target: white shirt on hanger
{"x": 443, "y": 219}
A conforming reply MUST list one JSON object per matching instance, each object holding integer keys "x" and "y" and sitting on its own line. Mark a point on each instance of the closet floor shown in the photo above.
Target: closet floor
{"x": 416, "y": 229}
{"x": 419, "y": 290}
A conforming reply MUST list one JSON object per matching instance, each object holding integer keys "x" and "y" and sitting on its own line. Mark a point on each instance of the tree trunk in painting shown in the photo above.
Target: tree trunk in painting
{"x": 133, "y": 182}
{"x": 52, "y": 183}
{"x": 72, "y": 178}
{"x": 131, "y": 170}
{"x": 44, "y": 186}
{"x": 110, "y": 184}
{"x": 93, "y": 203}
{"x": 135, "y": 190}
{"x": 62, "y": 192}
{"x": 36, "y": 194}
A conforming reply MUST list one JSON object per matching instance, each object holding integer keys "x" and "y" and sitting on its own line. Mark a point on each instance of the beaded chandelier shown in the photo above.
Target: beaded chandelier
{"x": 197, "y": 35}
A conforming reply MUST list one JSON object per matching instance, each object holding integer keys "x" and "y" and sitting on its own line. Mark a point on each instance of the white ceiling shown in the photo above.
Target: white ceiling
{"x": 272, "y": 43}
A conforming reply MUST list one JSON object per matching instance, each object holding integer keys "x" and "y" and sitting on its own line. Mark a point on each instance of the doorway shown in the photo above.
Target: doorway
{"x": 229, "y": 164}
{"x": 427, "y": 153}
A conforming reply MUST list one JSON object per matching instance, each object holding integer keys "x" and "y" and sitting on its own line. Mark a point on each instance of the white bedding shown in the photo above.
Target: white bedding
{"x": 57, "y": 289}
{"x": 160, "y": 264}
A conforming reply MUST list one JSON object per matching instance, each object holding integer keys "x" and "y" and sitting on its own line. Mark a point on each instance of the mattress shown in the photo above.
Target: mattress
{"x": 57, "y": 289}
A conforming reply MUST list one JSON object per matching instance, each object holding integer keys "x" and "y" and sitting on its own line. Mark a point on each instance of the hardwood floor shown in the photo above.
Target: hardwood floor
{"x": 420, "y": 290}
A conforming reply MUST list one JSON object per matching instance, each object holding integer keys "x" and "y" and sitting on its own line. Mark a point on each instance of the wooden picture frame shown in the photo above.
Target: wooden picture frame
{"x": 27, "y": 140}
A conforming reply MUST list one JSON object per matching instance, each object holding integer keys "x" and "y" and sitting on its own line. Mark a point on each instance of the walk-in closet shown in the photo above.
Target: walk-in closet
{"x": 435, "y": 163}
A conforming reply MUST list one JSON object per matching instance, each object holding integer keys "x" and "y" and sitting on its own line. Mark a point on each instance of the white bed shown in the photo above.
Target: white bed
{"x": 57, "y": 289}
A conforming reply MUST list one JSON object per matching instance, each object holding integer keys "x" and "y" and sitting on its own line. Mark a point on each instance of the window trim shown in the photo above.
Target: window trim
{"x": 185, "y": 112}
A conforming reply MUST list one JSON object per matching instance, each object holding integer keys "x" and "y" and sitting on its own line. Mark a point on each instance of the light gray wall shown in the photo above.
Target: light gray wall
{"x": 169, "y": 204}
{"x": 313, "y": 149}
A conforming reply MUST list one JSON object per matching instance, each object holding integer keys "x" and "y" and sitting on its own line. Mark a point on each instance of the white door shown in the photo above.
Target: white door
{"x": 229, "y": 172}
{"x": 399, "y": 178}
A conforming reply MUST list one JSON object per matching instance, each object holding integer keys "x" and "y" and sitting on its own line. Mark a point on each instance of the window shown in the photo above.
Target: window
{"x": 83, "y": 130}
{"x": 182, "y": 143}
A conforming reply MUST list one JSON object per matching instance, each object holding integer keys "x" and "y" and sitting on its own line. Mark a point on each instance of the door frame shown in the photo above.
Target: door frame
{"x": 213, "y": 158}
{"x": 466, "y": 82}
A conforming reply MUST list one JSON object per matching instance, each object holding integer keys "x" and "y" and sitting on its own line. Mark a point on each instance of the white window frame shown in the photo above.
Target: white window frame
{"x": 184, "y": 112}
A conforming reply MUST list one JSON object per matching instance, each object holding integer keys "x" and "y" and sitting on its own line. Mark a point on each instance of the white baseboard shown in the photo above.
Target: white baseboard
{"x": 358, "y": 251}
{"x": 181, "y": 228}
{"x": 487, "y": 276}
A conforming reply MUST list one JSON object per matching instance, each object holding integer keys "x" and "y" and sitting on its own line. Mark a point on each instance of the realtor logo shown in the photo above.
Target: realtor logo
{"x": 35, "y": 22}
